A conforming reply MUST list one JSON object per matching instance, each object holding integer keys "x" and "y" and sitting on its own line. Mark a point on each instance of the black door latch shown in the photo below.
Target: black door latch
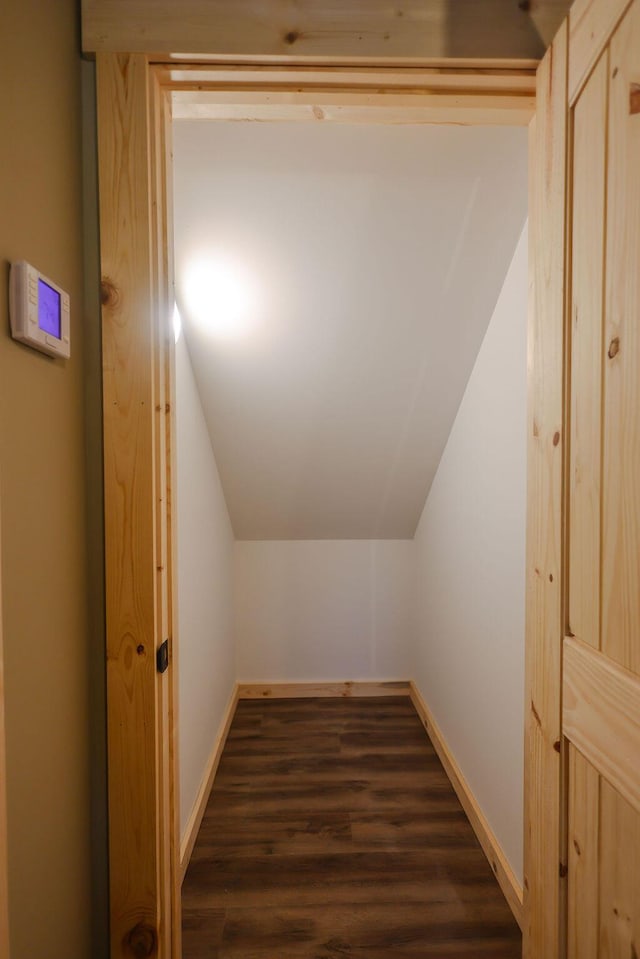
{"x": 162, "y": 657}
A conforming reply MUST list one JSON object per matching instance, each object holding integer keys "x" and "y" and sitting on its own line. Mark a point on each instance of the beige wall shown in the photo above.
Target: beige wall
{"x": 42, "y": 493}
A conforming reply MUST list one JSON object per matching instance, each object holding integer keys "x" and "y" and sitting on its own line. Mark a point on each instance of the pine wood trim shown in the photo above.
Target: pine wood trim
{"x": 162, "y": 298}
{"x": 282, "y": 29}
{"x": 485, "y": 94}
{"x": 591, "y": 24}
{"x": 138, "y": 407}
{"x": 4, "y": 890}
{"x": 344, "y": 690}
{"x": 464, "y": 76}
{"x": 601, "y": 716}
{"x": 200, "y": 804}
{"x": 388, "y": 108}
{"x": 583, "y": 912}
{"x": 135, "y": 330}
{"x": 502, "y": 870}
{"x": 544, "y": 816}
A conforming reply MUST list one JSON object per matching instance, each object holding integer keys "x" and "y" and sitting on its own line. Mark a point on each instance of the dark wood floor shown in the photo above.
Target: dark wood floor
{"x": 333, "y": 831}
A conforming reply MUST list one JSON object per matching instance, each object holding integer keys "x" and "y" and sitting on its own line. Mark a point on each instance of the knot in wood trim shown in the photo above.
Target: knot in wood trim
{"x": 109, "y": 294}
{"x": 141, "y": 941}
{"x": 614, "y": 347}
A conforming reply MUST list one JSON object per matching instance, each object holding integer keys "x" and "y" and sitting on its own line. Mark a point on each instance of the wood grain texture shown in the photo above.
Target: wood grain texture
{"x": 4, "y": 890}
{"x": 591, "y": 24}
{"x": 200, "y": 804}
{"x": 448, "y": 76}
{"x": 491, "y": 109}
{"x": 584, "y": 833}
{"x": 304, "y": 29}
{"x": 140, "y": 849}
{"x": 619, "y": 912}
{"x": 621, "y": 480}
{"x": 543, "y": 891}
{"x": 601, "y": 716}
{"x": 484, "y": 93}
{"x": 161, "y": 172}
{"x": 332, "y": 830}
{"x": 486, "y": 837}
{"x": 305, "y": 690}
{"x": 587, "y": 358}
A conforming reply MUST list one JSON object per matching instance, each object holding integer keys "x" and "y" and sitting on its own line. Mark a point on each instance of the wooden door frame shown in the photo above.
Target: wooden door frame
{"x": 134, "y": 99}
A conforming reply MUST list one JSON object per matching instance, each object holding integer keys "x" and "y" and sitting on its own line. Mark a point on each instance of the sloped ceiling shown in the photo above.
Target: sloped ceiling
{"x": 373, "y": 257}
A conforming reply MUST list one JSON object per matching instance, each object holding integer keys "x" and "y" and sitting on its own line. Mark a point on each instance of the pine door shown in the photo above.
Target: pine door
{"x": 601, "y": 649}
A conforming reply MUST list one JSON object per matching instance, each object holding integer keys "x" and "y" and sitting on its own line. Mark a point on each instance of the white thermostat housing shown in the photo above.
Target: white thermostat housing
{"x": 39, "y": 310}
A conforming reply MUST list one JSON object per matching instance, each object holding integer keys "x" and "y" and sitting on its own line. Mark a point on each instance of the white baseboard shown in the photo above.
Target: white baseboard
{"x": 199, "y": 806}
{"x": 307, "y": 690}
{"x": 486, "y": 837}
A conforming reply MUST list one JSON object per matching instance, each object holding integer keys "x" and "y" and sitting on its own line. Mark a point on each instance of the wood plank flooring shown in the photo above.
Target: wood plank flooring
{"x": 332, "y": 831}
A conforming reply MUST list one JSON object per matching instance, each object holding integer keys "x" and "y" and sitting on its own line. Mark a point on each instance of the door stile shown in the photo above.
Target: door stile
{"x": 544, "y": 841}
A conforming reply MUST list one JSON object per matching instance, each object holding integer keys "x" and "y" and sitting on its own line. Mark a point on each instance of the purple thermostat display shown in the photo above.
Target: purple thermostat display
{"x": 49, "y": 309}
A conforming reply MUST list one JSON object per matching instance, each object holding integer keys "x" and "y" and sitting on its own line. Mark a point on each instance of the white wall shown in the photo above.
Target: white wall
{"x": 445, "y": 609}
{"x": 469, "y": 655}
{"x": 323, "y": 610}
{"x": 205, "y": 589}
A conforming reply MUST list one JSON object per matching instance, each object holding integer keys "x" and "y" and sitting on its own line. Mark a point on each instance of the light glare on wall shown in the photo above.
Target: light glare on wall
{"x": 220, "y": 297}
{"x": 177, "y": 323}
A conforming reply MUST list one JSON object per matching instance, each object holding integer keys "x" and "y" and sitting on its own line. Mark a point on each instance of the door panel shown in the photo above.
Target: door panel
{"x": 619, "y": 906}
{"x": 589, "y": 138}
{"x": 621, "y": 466}
{"x": 601, "y": 654}
{"x": 583, "y": 891}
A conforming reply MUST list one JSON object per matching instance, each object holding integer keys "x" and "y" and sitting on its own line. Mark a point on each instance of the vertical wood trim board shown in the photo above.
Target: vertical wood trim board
{"x": 543, "y": 886}
{"x": 503, "y": 872}
{"x": 135, "y": 612}
{"x": 4, "y": 890}
{"x": 162, "y": 298}
{"x": 200, "y": 804}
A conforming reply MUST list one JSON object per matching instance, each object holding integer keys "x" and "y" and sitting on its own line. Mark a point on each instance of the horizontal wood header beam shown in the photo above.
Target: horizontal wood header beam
{"x": 461, "y": 96}
{"x": 343, "y": 108}
{"x": 339, "y": 29}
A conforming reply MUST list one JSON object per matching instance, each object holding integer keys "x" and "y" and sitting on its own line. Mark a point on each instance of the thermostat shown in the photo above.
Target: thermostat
{"x": 39, "y": 311}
